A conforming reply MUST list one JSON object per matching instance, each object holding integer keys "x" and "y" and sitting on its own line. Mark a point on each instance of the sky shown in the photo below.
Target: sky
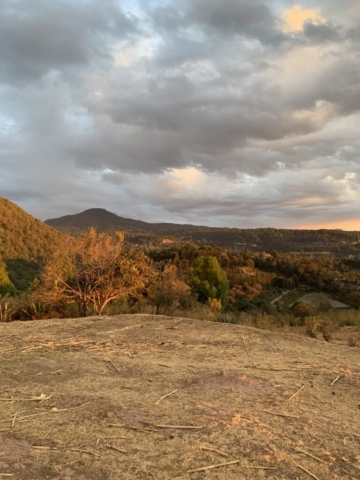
{"x": 219, "y": 113}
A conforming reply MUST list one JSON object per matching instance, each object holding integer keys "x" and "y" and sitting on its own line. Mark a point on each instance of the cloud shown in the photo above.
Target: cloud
{"x": 39, "y": 37}
{"x": 296, "y": 17}
{"x": 227, "y": 113}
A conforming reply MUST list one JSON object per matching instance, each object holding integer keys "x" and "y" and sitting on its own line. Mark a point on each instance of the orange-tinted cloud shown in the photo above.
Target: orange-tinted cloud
{"x": 295, "y": 17}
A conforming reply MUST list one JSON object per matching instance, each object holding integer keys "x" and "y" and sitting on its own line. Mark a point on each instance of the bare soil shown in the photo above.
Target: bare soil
{"x": 82, "y": 400}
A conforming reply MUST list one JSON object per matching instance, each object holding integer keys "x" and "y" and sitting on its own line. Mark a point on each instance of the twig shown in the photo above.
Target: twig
{"x": 180, "y": 427}
{"x": 41, "y": 447}
{"x": 85, "y": 451}
{"x": 309, "y": 455}
{"x": 260, "y": 467}
{"x": 167, "y": 395}
{"x": 113, "y": 364}
{"x": 317, "y": 398}
{"x": 336, "y": 379}
{"x": 114, "y": 436}
{"x": 6, "y": 475}
{"x": 13, "y": 420}
{"x": 297, "y": 393}
{"x": 214, "y": 450}
{"x": 53, "y": 410}
{"x": 307, "y": 471}
{"x": 192, "y": 371}
{"x": 129, "y": 427}
{"x": 210, "y": 467}
{"x": 277, "y": 414}
{"x": 116, "y": 449}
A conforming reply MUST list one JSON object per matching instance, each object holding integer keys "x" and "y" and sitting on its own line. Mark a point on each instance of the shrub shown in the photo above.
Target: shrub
{"x": 353, "y": 340}
{"x": 227, "y": 319}
{"x": 312, "y": 326}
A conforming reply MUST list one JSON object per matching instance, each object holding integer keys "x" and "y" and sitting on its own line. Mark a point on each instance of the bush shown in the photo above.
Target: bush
{"x": 227, "y": 319}
{"x": 312, "y": 326}
{"x": 353, "y": 340}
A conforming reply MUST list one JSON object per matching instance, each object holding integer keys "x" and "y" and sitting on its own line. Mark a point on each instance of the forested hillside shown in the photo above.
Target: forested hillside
{"x": 23, "y": 236}
{"x": 24, "y": 241}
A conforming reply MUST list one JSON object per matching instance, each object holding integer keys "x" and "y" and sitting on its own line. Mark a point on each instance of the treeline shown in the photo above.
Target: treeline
{"x": 99, "y": 273}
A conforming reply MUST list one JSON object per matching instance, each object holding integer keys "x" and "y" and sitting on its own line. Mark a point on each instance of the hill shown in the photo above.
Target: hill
{"x": 104, "y": 220}
{"x": 143, "y": 397}
{"x": 263, "y": 239}
{"x": 24, "y": 240}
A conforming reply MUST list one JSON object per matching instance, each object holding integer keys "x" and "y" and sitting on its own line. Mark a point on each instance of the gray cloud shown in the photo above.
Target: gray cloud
{"x": 188, "y": 111}
{"x": 39, "y": 37}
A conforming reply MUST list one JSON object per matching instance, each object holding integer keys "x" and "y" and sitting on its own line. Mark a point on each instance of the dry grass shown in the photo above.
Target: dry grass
{"x": 143, "y": 397}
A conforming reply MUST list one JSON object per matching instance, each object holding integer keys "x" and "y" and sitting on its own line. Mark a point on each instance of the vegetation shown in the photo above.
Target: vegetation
{"x": 24, "y": 242}
{"x": 269, "y": 239}
{"x": 46, "y": 274}
{"x": 6, "y": 286}
{"x": 209, "y": 280}
{"x": 167, "y": 293}
{"x": 92, "y": 273}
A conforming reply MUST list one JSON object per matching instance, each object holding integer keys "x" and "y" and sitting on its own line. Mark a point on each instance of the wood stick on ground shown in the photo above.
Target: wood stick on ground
{"x": 277, "y": 414}
{"x": 214, "y": 450}
{"x": 307, "y": 471}
{"x": 317, "y": 398}
{"x": 297, "y": 393}
{"x": 260, "y": 467}
{"x": 80, "y": 450}
{"x": 114, "y": 436}
{"x": 308, "y": 454}
{"x": 210, "y": 467}
{"x": 180, "y": 427}
{"x": 53, "y": 410}
{"x": 167, "y": 395}
{"x": 113, "y": 364}
{"x": 116, "y": 449}
{"x": 44, "y": 448}
{"x": 129, "y": 427}
{"x": 14, "y": 420}
{"x": 336, "y": 379}
{"x": 6, "y": 475}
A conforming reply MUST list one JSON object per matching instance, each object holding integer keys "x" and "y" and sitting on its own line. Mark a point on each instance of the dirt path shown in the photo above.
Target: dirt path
{"x": 278, "y": 298}
{"x": 86, "y": 400}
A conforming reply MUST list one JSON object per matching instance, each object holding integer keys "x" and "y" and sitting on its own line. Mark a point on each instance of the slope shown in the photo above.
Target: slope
{"x": 24, "y": 240}
{"x": 142, "y": 397}
{"x": 104, "y": 220}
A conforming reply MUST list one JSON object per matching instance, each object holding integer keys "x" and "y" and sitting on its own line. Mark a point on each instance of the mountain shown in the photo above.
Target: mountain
{"x": 263, "y": 239}
{"x": 107, "y": 221}
{"x": 24, "y": 240}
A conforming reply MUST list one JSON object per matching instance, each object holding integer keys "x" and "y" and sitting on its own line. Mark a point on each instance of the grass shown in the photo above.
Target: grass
{"x": 142, "y": 396}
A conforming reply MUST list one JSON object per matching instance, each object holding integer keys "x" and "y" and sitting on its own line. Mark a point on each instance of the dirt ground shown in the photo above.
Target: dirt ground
{"x": 86, "y": 400}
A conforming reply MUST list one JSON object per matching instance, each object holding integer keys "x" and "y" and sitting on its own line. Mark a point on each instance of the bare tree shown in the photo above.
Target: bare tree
{"x": 93, "y": 272}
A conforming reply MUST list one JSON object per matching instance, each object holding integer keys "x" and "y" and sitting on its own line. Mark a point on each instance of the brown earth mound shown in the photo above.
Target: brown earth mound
{"x": 143, "y": 397}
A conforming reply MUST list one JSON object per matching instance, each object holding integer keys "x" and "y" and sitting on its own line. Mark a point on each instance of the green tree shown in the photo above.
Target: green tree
{"x": 209, "y": 280}
{"x": 6, "y": 286}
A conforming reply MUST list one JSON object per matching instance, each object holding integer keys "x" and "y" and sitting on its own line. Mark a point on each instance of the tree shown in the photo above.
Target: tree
{"x": 93, "y": 272}
{"x": 167, "y": 293}
{"x": 209, "y": 280}
{"x": 6, "y": 286}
